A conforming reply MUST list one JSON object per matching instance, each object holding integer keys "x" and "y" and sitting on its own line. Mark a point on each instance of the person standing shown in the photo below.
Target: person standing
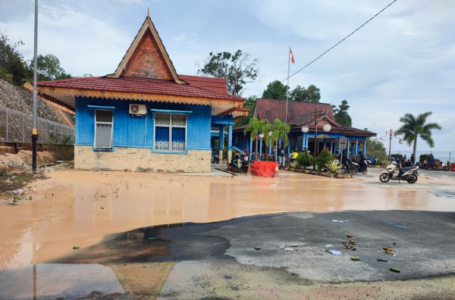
{"x": 412, "y": 159}
{"x": 279, "y": 155}
{"x": 346, "y": 162}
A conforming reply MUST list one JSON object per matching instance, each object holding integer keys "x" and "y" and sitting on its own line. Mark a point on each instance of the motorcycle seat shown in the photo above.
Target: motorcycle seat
{"x": 405, "y": 169}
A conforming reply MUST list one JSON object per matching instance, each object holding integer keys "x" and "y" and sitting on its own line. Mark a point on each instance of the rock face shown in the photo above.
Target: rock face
{"x": 20, "y": 99}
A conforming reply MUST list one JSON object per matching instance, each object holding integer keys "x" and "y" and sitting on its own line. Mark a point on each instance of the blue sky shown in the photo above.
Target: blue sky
{"x": 401, "y": 62}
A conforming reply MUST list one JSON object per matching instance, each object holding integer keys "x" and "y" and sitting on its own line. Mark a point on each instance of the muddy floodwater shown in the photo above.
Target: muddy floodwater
{"x": 77, "y": 208}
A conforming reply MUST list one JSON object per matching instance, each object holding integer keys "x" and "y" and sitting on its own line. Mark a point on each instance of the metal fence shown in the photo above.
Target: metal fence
{"x": 441, "y": 155}
{"x": 16, "y": 127}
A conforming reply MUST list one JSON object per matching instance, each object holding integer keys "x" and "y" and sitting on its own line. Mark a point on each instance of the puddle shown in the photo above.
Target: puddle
{"x": 443, "y": 193}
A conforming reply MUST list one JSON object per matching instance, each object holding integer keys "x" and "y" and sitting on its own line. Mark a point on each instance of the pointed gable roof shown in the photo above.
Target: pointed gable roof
{"x": 147, "y": 57}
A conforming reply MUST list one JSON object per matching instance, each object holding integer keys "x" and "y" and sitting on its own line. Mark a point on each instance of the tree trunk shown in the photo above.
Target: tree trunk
{"x": 256, "y": 156}
{"x": 276, "y": 151}
{"x": 415, "y": 148}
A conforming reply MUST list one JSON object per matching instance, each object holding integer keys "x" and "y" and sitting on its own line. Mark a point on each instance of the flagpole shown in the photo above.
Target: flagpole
{"x": 287, "y": 92}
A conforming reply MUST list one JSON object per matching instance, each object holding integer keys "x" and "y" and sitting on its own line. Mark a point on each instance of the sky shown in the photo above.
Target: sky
{"x": 403, "y": 61}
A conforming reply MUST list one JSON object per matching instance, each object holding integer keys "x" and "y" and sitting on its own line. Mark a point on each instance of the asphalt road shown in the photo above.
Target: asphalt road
{"x": 295, "y": 245}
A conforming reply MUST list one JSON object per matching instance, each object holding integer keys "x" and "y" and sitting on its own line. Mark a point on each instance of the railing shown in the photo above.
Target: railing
{"x": 441, "y": 155}
{"x": 16, "y": 127}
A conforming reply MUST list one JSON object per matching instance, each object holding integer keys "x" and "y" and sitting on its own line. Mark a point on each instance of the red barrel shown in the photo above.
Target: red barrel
{"x": 453, "y": 167}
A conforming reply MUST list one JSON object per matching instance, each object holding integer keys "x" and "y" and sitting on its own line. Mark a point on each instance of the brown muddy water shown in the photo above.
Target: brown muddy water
{"x": 77, "y": 208}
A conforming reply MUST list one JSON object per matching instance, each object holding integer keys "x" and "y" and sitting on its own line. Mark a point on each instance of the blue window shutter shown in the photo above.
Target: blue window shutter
{"x": 162, "y": 134}
{"x": 178, "y": 135}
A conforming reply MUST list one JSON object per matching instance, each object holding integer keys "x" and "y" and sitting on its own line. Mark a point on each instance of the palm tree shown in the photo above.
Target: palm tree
{"x": 255, "y": 127}
{"x": 413, "y": 127}
{"x": 277, "y": 129}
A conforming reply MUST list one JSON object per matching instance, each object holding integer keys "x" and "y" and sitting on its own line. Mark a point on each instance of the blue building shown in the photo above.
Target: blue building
{"x": 303, "y": 115}
{"x": 145, "y": 116}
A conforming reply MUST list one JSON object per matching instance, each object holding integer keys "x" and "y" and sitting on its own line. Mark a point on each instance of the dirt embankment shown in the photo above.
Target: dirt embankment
{"x": 23, "y": 160}
{"x": 21, "y": 99}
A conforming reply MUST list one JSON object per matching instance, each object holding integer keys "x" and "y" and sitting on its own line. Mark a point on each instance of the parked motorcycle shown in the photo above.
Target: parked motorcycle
{"x": 404, "y": 173}
{"x": 237, "y": 165}
{"x": 352, "y": 169}
{"x": 216, "y": 159}
{"x": 362, "y": 168}
{"x": 436, "y": 165}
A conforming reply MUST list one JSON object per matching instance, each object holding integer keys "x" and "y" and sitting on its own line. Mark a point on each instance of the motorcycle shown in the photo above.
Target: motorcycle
{"x": 409, "y": 174}
{"x": 352, "y": 169}
{"x": 436, "y": 165}
{"x": 216, "y": 159}
{"x": 362, "y": 168}
{"x": 238, "y": 165}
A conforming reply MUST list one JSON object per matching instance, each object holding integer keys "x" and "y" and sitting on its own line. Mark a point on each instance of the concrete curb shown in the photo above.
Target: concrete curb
{"x": 317, "y": 173}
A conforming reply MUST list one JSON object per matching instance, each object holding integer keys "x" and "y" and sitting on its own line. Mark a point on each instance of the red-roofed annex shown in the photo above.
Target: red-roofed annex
{"x": 304, "y": 114}
{"x": 145, "y": 116}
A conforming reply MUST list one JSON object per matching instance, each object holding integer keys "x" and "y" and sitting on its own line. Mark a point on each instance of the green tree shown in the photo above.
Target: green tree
{"x": 275, "y": 90}
{"x": 311, "y": 94}
{"x": 413, "y": 127}
{"x": 341, "y": 114}
{"x": 376, "y": 149}
{"x": 12, "y": 65}
{"x": 236, "y": 68}
{"x": 277, "y": 129}
{"x": 255, "y": 127}
{"x": 249, "y": 103}
{"x": 49, "y": 68}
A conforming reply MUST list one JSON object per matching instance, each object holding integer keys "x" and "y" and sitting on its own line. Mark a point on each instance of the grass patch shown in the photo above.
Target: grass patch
{"x": 10, "y": 181}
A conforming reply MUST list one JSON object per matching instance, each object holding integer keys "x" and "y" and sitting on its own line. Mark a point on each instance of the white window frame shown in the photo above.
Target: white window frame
{"x": 107, "y": 123}
{"x": 170, "y": 126}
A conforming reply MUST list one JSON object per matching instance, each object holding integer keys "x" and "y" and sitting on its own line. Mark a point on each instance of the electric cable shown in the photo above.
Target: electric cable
{"x": 340, "y": 41}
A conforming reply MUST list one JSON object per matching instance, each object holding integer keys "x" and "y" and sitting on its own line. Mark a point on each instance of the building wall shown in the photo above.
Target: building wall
{"x": 135, "y": 131}
{"x": 141, "y": 159}
{"x": 133, "y": 139}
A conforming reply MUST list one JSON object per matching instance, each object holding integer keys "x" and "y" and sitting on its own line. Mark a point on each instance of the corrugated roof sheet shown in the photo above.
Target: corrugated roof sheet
{"x": 203, "y": 87}
{"x": 272, "y": 109}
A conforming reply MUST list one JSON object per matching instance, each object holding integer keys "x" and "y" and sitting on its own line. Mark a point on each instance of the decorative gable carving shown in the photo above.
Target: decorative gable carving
{"x": 147, "y": 61}
{"x": 147, "y": 57}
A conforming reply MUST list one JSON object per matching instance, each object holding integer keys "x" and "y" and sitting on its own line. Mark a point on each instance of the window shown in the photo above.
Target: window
{"x": 104, "y": 122}
{"x": 170, "y": 132}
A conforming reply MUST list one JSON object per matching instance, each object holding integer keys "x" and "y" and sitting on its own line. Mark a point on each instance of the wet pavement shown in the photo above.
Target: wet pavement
{"x": 89, "y": 209}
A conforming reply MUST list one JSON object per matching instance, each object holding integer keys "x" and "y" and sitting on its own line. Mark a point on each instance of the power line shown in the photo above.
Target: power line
{"x": 341, "y": 40}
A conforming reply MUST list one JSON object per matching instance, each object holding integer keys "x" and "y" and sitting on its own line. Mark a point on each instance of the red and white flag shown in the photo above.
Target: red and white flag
{"x": 291, "y": 56}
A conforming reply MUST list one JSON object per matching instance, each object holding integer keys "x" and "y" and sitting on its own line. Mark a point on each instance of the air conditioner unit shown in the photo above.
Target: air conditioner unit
{"x": 138, "y": 109}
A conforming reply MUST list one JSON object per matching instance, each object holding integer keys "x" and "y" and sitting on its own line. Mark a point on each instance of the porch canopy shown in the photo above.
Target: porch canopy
{"x": 302, "y": 114}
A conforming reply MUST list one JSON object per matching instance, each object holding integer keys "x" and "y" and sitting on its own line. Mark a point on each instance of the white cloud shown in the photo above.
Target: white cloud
{"x": 403, "y": 61}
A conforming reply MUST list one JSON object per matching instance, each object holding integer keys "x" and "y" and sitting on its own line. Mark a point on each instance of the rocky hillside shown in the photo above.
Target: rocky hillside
{"x": 21, "y": 99}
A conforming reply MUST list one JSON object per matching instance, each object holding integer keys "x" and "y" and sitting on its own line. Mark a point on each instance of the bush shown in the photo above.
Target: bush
{"x": 424, "y": 157}
{"x": 323, "y": 158}
{"x": 385, "y": 163}
{"x": 270, "y": 158}
{"x": 333, "y": 166}
{"x": 304, "y": 159}
{"x": 295, "y": 164}
{"x": 398, "y": 155}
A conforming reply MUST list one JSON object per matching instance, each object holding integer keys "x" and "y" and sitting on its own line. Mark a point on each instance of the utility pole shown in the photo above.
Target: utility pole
{"x": 390, "y": 144}
{"x": 315, "y": 136}
{"x": 35, "y": 65}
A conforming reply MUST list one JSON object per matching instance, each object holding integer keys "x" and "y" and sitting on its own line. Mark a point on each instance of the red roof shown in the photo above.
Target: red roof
{"x": 215, "y": 84}
{"x": 271, "y": 109}
{"x": 202, "y": 87}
